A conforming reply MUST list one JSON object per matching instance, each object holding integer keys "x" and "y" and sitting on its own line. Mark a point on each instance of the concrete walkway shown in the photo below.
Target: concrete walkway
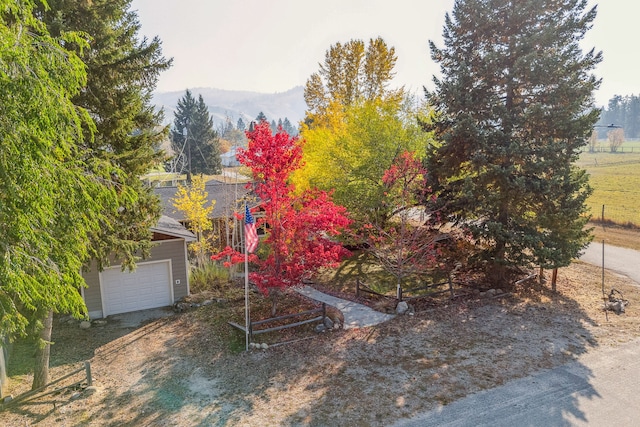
{"x": 355, "y": 315}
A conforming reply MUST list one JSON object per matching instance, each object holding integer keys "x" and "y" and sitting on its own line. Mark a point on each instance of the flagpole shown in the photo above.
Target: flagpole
{"x": 250, "y": 244}
{"x": 246, "y": 294}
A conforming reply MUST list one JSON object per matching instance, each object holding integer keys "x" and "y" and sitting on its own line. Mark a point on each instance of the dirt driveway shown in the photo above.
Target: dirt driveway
{"x": 174, "y": 371}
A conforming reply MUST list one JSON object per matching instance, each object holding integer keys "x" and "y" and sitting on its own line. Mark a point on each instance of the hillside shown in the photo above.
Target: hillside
{"x": 235, "y": 104}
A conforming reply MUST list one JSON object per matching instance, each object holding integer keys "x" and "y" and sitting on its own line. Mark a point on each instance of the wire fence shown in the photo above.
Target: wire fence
{"x": 621, "y": 215}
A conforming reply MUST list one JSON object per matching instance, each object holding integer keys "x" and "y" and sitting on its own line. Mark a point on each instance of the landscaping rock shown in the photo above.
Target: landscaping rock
{"x": 328, "y": 322}
{"x": 181, "y": 307}
{"x": 85, "y": 325}
{"x": 99, "y": 322}
{"x": 91, "y": 390}
{"x": 402, "y": 307}
{"x": 320, "y": 328}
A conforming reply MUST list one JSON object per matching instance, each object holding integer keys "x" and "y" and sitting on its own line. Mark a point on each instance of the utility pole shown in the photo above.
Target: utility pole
{"x": 188, "y": 144}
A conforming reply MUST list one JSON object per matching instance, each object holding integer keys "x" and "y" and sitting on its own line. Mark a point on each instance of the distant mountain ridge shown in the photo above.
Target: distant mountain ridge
{"x": 235, "y": 104}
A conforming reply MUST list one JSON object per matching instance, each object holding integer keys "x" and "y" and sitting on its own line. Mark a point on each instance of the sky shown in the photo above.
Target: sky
{"x": 274, "y": 45}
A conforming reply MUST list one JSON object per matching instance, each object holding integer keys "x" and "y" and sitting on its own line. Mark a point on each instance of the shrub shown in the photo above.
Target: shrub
{"x": 210, "y": 276}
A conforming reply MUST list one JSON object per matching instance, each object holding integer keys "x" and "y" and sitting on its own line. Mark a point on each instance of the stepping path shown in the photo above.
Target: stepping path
{"x": 355, "y": 315}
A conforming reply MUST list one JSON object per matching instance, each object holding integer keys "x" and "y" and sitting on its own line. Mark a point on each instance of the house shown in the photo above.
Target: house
{"x": 229, "y": 158}
{"x": 158, "y": 281}
{"x": 225, "y": 196}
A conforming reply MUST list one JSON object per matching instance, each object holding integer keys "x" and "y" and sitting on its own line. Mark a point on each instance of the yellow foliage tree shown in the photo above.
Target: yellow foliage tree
{"x": 192, "y": 201}
{"x": 352, "y": 149}
{"x": 351, "y": 73}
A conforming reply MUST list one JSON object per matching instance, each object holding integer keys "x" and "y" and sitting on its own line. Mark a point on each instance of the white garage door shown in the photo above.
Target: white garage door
{"x": 149, "y": 286}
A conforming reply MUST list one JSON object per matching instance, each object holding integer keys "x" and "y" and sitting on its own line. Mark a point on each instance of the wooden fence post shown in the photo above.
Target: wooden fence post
{"x": 87, "y": 368}
{"x": 357, "y": 287}
{"x": 451, "y": 287}
{"x": 324, "y": 312}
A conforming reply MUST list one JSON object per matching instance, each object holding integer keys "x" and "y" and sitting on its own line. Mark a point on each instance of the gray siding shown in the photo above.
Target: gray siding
{"x": 173, "y": 250}
{"x": 162, "y": 250}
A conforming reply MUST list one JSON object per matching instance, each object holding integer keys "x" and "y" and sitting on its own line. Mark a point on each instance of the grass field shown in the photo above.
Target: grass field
{"x": 615, "y": 178}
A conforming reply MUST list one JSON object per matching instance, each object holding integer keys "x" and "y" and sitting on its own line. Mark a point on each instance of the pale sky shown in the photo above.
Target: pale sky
{"x": 274, "y": 45}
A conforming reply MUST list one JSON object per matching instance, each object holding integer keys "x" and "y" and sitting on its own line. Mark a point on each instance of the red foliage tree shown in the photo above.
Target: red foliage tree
{"x": 405, "y": 245}
{"x": 301, "y": 227}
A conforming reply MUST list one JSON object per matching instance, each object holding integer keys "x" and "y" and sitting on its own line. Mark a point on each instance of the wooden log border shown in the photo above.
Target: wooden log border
{"x": 252, "y": 331}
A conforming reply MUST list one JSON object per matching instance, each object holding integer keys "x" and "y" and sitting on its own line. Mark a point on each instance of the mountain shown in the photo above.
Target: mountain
{"x": 235, "y": 104}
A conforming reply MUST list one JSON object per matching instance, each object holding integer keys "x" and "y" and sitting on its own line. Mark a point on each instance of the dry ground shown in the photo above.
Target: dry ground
{"x": 178, "y": 371}
{"x": 616, "y": 235}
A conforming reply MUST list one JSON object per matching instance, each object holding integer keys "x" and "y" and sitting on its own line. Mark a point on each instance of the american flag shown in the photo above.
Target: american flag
{"x": 250, "y": 233}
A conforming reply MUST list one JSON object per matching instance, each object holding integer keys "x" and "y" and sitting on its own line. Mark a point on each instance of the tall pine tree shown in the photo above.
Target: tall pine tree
{"x": 122, "y": 71}
{"x": 514, "y": 108}
{"x": 193, "y": 140}
{"x": 55, "y": 191}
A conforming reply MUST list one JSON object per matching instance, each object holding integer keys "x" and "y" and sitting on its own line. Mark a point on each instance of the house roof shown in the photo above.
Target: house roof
{"x": 225, "y": 196}
{"x": 171, "y": 227}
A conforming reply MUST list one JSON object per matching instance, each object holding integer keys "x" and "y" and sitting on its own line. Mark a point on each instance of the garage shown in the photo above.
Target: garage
{"x": 160, "y": 279}
{"x": 149, "y": 286}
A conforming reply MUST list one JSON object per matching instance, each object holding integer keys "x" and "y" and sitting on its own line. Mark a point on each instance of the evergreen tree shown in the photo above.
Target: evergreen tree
{"x": 193, "y": 139}
{"x": 632, "y": 117}
{"x": 241, "y": 126}
{"x": 514, "y": 108}
{"x": 621, "y": 112}
{"x": 207, "y": 156}
{"x": 185, "y": 110}
{"x": 612, "y": 115}
{"x": 122, "y": 71}
{"x": 288, "y": 127}
{"x": 261, "y": 117}
{"x": 53, "y": 194}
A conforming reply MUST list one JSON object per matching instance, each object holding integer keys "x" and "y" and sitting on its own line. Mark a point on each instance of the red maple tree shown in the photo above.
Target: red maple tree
{"x": 405, "y": 245}
{"x": 301, "y": 226}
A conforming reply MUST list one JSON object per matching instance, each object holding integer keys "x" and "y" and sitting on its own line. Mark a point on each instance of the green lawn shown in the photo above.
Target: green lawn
{"x": 615, "y": 178}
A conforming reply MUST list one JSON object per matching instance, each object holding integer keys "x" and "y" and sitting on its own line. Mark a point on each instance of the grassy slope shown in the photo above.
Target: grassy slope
{"x": 616, "y": 182}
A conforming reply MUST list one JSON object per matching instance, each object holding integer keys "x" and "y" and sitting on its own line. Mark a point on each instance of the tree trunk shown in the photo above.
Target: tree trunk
{"x": 554, "y": 278}
{"x": 43, "y": 348}
{"x": 274, "y": 294}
